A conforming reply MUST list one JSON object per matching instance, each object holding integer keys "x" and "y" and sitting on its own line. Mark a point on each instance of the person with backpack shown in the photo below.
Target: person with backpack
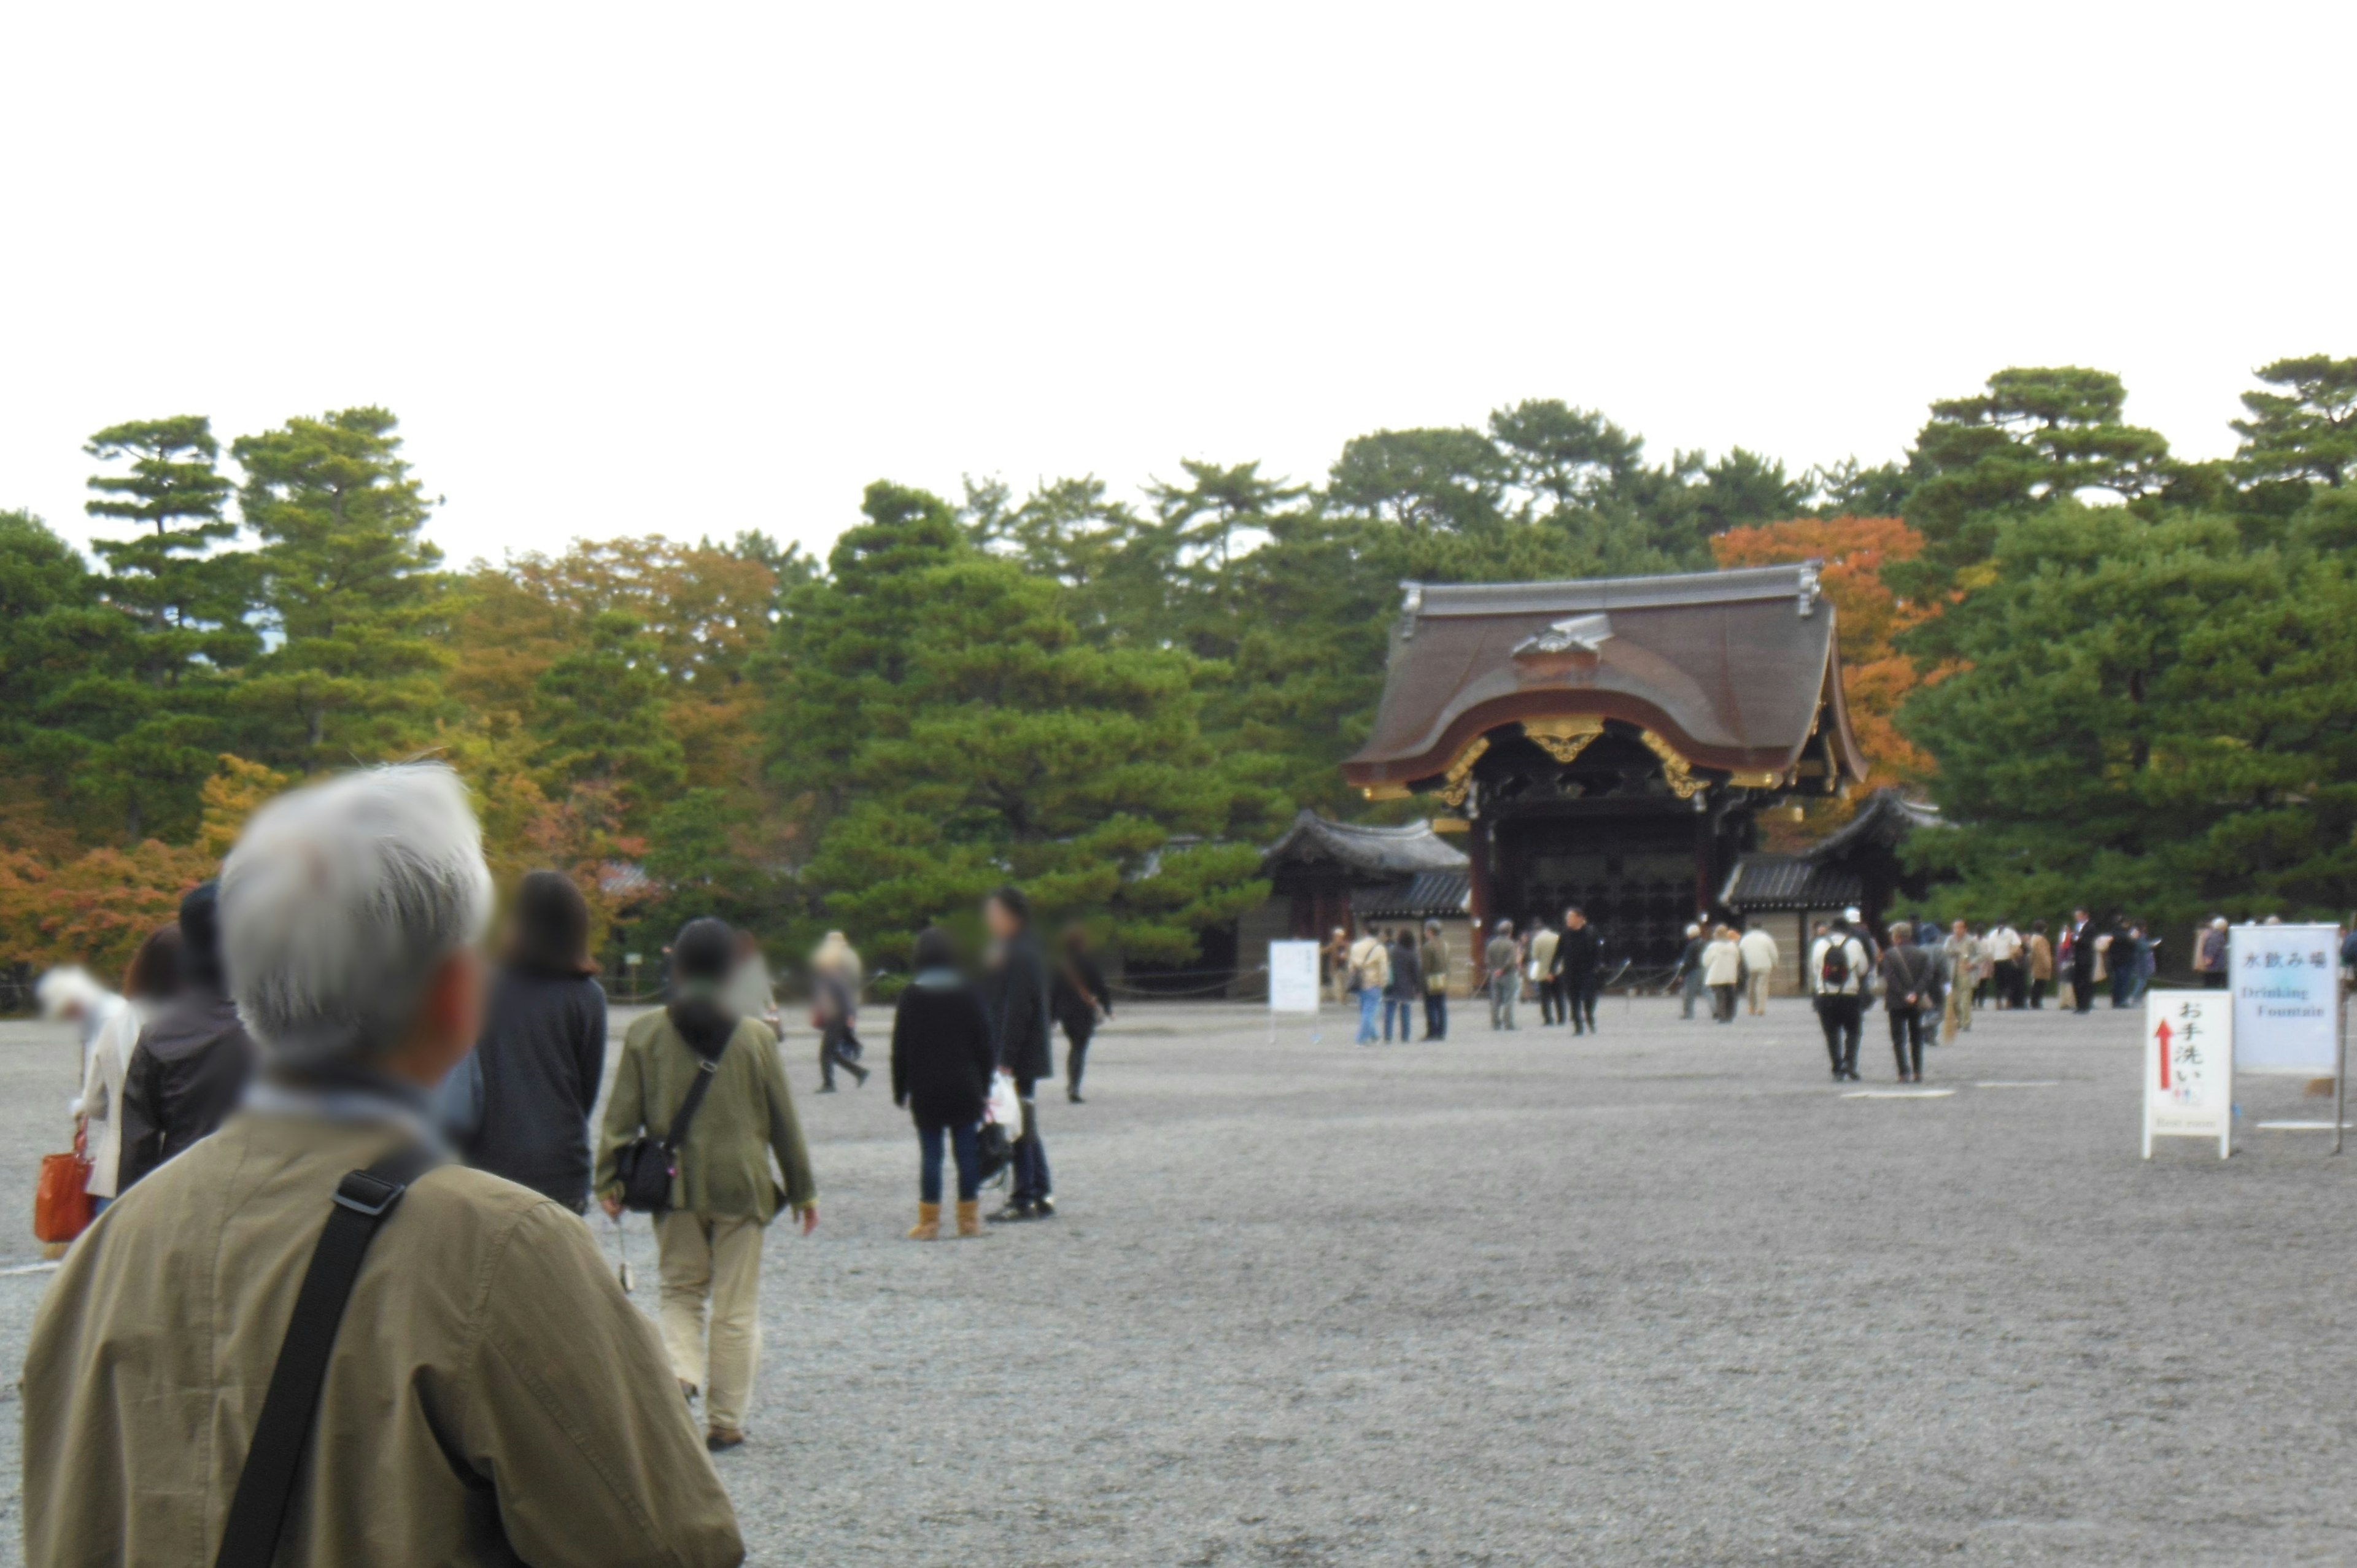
{"x": 942, "y": 1058}
{"x": 307, "y": 1338}
{"x": 194, "y": 1057}
{"x": 1910, "y": 988}
{"x": 702, "y": 1091}
{"x": 1837, "y": 969}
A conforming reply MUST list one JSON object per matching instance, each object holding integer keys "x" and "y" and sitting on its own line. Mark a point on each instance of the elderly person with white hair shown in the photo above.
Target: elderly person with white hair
{"x": 452, "y": 1375}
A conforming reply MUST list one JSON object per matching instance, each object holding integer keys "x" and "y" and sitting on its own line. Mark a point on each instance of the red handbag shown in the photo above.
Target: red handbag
{"x": 61, "y": 1208}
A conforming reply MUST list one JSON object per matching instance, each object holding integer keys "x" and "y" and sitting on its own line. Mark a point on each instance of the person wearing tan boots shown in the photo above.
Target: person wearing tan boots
{"x": 943, "y": 1057}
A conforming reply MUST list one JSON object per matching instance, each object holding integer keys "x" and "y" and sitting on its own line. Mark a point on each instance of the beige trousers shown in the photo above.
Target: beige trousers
{"x": 1958, "y": 1010}
{"x": 1755, "y": 989}
{"x": 717, "y": 1261}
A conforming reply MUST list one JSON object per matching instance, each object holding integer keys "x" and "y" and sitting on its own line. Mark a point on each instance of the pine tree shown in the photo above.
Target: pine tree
{"x": 348, "y": 584}
{"x": 161, "y": 706}
{"x": 599, "y": 713}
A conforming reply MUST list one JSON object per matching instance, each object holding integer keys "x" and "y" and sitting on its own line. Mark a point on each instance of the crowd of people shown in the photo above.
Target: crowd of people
{"x": 1394, "y": 974}
{"x": 321, "y": 1035}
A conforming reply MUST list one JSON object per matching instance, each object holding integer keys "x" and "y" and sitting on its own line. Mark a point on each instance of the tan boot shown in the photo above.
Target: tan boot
{"x": 969, "y": 1216}
{"x": 929, "y": 1223}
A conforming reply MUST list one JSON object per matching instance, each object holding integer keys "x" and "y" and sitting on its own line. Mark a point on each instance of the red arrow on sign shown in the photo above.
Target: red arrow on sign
{"x": 2161, "y": 1034}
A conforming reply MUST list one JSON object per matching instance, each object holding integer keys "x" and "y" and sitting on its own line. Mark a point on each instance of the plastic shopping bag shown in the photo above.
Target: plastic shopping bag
{"x": 1004, "y": 1107}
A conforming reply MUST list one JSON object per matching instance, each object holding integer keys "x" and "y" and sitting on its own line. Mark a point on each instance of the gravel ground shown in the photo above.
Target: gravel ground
{"x": 1665, "y": 1296}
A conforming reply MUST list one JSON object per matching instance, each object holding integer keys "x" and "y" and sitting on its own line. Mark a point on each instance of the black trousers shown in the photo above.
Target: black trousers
{"x": 1078, "y": 1032}
{"x": 2082, "y": 990}
{"x": 1551, "y": 999}
{"x": 1906, "y": 1040}
{"x": 1579, "y": 1002}
{"x": 1840, "y": 1018}
{"x": 835, "y": 1046}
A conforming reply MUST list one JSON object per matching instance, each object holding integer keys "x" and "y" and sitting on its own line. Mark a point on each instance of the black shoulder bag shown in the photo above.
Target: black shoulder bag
{"x": 646, "y": 1165}
{"x": 363, "y": 1201}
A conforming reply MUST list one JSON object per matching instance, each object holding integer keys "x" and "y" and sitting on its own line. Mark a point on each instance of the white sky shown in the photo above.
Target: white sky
{"x": 693, "y": 269}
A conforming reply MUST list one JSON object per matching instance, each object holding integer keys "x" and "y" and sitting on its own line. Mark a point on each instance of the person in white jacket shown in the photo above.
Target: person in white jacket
{"x": 1722, "y": 968}
{"x": 154, "y": 975}
{"x": 1759, "y": 960}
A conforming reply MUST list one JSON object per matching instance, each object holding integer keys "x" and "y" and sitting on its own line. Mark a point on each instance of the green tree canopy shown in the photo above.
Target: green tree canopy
{"x": 950, "y": 729}
{"x": 348, "y": 584}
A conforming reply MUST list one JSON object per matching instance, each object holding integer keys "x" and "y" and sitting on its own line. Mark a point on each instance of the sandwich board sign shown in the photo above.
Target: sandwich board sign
{"x": 2189, "y": 1068}
{"x": 2286, "y": 988}
{"x": 1293, "y": 977}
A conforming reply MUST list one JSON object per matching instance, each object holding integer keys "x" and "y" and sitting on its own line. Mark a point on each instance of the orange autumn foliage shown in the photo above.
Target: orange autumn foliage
{"x": 1876, "y": 677}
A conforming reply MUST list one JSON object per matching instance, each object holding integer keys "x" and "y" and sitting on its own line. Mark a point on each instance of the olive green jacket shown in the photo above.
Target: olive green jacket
{"x": 493, "y": 1396}
{"x": 747, "y": 1117}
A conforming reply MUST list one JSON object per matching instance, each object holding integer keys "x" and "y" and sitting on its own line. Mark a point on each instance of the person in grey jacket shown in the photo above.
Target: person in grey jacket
{"x": 1014, "y": 996}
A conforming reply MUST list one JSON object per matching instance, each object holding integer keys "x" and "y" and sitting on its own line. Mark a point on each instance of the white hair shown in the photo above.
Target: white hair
{"x": 339, "y": 901}
{"x": 67, "y": 988}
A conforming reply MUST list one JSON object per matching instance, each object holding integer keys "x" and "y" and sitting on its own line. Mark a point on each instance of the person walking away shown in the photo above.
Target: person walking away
{"x": 194, "y": 1057}
{"x": 1687, "y": 976}
{"x": 2038, "y": 963}
{"x": 1910, "y": 985}
{"x": 2146, "y": 947}
{"x": 1407, "y": 987}
{"x": 492, "y": 1395}
{"x": 2005, "y": 964}
{"x": 71, "y": 995}
{"x": 752, "y": 992}
{"x": 536, "y": 1070}
{"x": 836, "y": 983}
{"x": 1432, "y": 963}
{"x": 2209, "y": 955}
{"x": 1369, "y": 961}
{"x": 1837, "y": 967}
{"x": 151, "y": 979}
{"x": 1579, "y": 969}
{"x": 723, "y": 1188}
{"x": 1959, "y": 962}
{"x": 1722, "y": 970}
{"x": 1015, "y": 997}
{"x": 1759, "y": 960}
{"x": 1547, "y": 979}
{"x": 1502, "y": 962}
{"x": 2081, "y": 937}
{"x": 943, "y": 1057}
{"x": 1078, "y": 996}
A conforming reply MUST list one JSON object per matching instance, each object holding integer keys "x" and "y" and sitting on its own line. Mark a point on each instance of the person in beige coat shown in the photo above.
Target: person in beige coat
{"x": 724, "y": 1192}
{"x": 492, "y": 1396}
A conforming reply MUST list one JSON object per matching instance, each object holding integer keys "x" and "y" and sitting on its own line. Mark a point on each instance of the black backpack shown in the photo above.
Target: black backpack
{"x": 1833, "y": 969}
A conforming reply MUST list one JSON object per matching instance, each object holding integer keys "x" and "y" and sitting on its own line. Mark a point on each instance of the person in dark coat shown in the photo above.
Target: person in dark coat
{"x": 1579, "y": 970}
{"x": 2083, "y": 934}
{"x": 1407, "y": 988}
{"x": 194, "y": 1057}
{"x": 1015, "y": 996}
{"x": 1078, "y": 996}
{"x": 537, "y": 1069}
{"x": 943, "y": 1057}
{"x": 1910, "y": 989}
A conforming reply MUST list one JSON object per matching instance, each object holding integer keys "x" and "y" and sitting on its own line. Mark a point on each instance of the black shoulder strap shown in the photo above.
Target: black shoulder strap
{"x": 258, "y": 1512}
{"x": 707, "y": 1069}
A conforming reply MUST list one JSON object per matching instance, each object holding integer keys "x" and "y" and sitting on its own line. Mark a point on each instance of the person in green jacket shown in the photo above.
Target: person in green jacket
{"x": 724, "y": 1189}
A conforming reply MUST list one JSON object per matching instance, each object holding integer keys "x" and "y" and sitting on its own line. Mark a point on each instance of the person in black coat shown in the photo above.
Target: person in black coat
{"x": 2082, "y": 962}
{"x": 534, "y": 1074}
{"x": 1015, "y": 996}
{"x": 943, "y": 1057}
{"x": 194, "y": 1057}
{"x": 1078, "y": 996}
{"x": 1579, "y": 967}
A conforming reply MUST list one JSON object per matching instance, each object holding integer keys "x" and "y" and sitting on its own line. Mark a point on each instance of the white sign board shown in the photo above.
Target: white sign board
{"x": 2189, "y": 1068}
{"x": 1293, "y": 977}
{"x": 2287, "y": 986}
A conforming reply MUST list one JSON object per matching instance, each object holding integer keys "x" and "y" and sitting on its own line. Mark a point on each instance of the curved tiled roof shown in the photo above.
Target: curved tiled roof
{"x": 1376, "y": 852}
{"x": 1732, "y": 669}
